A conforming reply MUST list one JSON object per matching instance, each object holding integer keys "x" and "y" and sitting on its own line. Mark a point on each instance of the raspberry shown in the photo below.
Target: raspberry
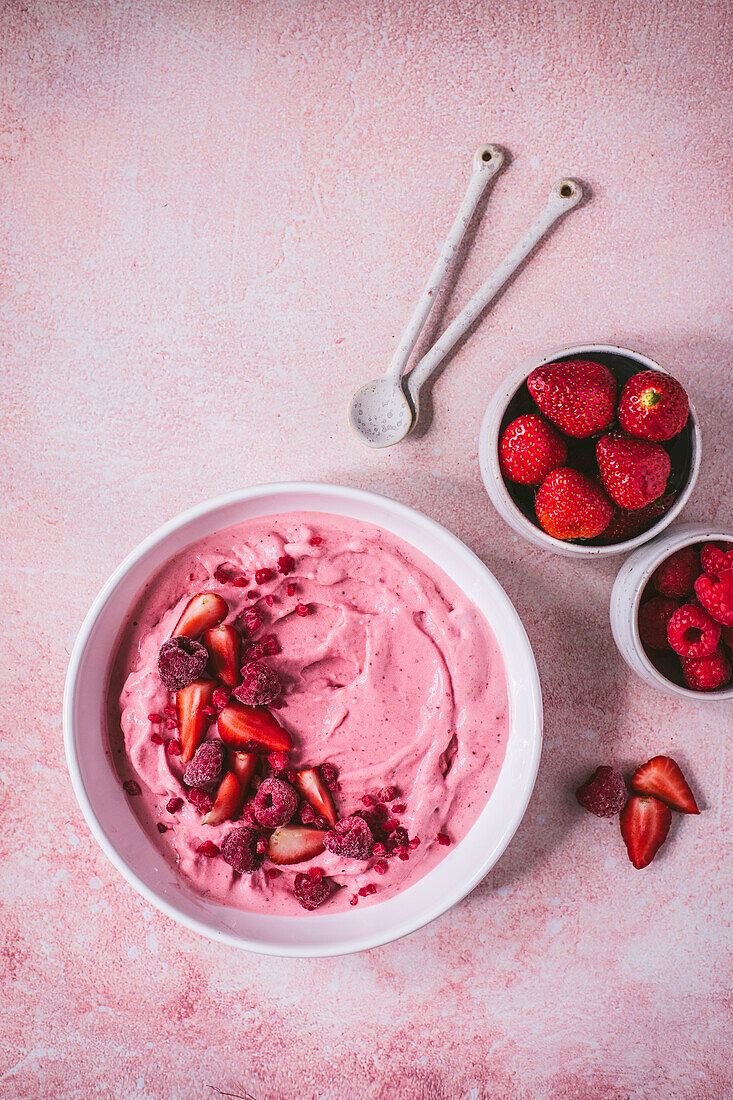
{"x": 654, "y": 615}
{"x": 315, "y": 873}
{"x": 388, "y": 794}
{"x": 206, "y": 764}
{"x": 252, "y": 619}
{"x": 173, "y": 805}
{"x": 312, "y": 892}
{"x": 381, "y": 812}
{"x": 291, "y": 590}
{"x": 262, "y": 576}
{"x": 715, "y": 556}
{"x": 414, "y": 843}
{"x": 209, "y": 712}
{"x": 354, "y": 899}
{"x": 248, "y": 814}
{"x": 131, "y": 787}
{"x": 180, "y": 662}
{"x": 390, "y": 825}
{"x": 707, "y": 673}
{"x": 261, "y": 846}
{"x": 316, "y": 540}
{"x": 155, "y": 718}
{"x": 156, "y": 739}
{"x": 443, "y": 838}
{"x": 368, "y": 800}
{"x": 170, "y": 710}
{"x": 275, "y": 803}
{"x": 370, "y": 888}
{"x": 239, "y": 849}
{"x": 692, "y": 632}
{"x": 676, "y": 575}
{"x": 351, "y": 837}
{"x": 716, "y": 595}
{"x": 398, "y": 838}
{"x": 273, "y": 872}
{"x": 171, "y": 724}
{"x": 285, "y": 564}
{"x": 381, "y": 866}
{"x": 303, "y": 609}
{"x": 321, "y": 822}
{"x": 399, "y": 808}
{"x": 260, "y": 685}
{"x": 604, "y": 794}
{"x": 208, "y": 848}
{"x": 173, "y": 747}
{"x": 240, "y": 582}
{"x": 727, "y": 636}
{"x": 278, "y": 761}
{"x": 307, "y": 814}
{"x": 329, "y": 776}
{"x": 271, "y": 645}
{"x": 404, "y": 854}
{"x": 221, "y": 575}
{"x": 379, "y": 849}
{"x": 201, "y": 800}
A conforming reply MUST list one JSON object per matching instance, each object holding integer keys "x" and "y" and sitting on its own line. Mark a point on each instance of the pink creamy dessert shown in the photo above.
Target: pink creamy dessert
{"x": 389, "y": 674}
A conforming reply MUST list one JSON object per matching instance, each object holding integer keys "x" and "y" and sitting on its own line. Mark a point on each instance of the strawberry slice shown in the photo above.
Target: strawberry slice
{"x": 645, "y": 823}
{"x": 201, "y": 612}
{"x": 223, "y": 643}
{"x": 309, "y": 783}
{"x": 252, "y": 729}
{"x": 192, "y": 724}
{"x": 295, "y": 844}
{"x": 662, "y": 777}
{"x": 228, "y": 803}
{"x": 244, "y": 765}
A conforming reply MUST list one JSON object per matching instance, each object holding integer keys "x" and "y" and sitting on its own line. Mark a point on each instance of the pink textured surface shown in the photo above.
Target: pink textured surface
{"x": 215, "y": 220}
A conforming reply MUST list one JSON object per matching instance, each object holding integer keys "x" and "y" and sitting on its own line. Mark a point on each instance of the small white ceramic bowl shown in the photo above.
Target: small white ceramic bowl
{"x": 120, "y": 834}
{"x": 626, "y": 594}
{"x": 493, "y": 478}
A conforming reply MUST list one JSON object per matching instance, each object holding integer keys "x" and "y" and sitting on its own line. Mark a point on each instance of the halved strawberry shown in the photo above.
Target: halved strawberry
{"x": 645, "y": 823}
{"x": 244, "y": 765}
{"x": 223, "y": 643}
{"x": 295, "y": 844}
{"x": 309, "y": 783}
{"x": 662, "y": 777}
{"x": 228, "y": 803}
{"x": 192, "y": 724}
{"x": 201, "y": 612}
{"x": 252, "y": 729}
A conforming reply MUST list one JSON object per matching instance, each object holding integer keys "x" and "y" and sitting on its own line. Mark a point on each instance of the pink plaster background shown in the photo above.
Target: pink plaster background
{"x": 215, "y": 220}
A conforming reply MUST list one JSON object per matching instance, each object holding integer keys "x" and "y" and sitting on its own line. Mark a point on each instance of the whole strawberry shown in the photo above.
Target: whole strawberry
{"x": 578, "y": 396}
{"x": 529, "y": 449}
{"x": 571, "y": 506}
{"x": 653, "y": 406}
{"x": 634, "y": 471}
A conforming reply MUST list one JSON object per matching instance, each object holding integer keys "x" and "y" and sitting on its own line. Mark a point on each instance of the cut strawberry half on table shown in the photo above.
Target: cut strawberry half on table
{"x": 223, "y": 643}
{"x": 295, "y": 844}
{"x": 228, "y": 802}
{"x": 201, "y": 612}
{"x": 645, "y": 822}
{"x": 252, "y": 729}
{"x": 662, "y": 777}
{"x": 244, "y": 765}
{"x": 309, "y": 784}
{"x": 192, "y": 722}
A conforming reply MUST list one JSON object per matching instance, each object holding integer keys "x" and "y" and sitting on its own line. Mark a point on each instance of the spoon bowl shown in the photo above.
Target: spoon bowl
{"x": 380, "y": 414}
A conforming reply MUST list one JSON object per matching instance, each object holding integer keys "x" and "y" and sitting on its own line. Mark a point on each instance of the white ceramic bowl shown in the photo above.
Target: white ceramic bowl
{"x": 626, "y": 594}
{"x": 119, "y": 832}
{"x": 494, "y": 479}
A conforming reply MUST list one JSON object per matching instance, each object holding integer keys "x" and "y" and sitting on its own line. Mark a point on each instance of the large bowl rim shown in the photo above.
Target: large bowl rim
{"x": 379, "y": 936}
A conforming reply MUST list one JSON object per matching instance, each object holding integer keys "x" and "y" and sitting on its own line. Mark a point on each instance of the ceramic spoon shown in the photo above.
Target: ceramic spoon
{"x": 380, "y": 413}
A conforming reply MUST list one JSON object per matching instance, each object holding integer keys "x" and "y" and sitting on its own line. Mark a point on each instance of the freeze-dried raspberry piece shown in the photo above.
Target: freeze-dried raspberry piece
{"x": 239, "y": 849}
{"x": 206, "y": 765}
{"x": 260, "y": 685}
{"x": 181, "y": 661}
{"x": 312, "y": 892}
{"x": 350, "y": 837}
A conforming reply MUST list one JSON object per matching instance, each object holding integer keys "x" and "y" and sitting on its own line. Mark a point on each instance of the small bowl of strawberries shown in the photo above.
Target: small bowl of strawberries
{"x": 672, "y": 612}
{"x": 592, "y": 450}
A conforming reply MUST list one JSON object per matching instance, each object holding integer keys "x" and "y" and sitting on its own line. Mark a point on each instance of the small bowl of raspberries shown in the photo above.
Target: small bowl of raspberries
{"x": 672, "y": 612}
{"x": 593, "y": 450}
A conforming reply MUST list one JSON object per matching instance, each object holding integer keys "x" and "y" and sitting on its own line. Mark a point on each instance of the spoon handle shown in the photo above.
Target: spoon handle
{"x": 486, "y": 163}
{"x": 564, "y": 195}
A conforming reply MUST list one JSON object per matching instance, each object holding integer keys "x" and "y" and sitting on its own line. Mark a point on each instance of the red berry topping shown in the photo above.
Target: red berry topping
{"x": 677, "y": 574}
{"x": 252, "y": 619}
{"x": 316, "y": 540}
{"x": 262, "y": 576}
{"x": 634, "y": 471}
{"x": 571, "y": 506}
{"x": 315, "y": 873}
{"x": 156, "y": 739}
{"x": 275, "y": 803}
{"x": 155, "y": 718}
{"x": 312, "y": 892}
{"x": 291, "y": 590}
{"x": 379, "y": 849}
{"x": 530, "y": 449}
{"x": 707, "y": 673}
{"x": 714, "y": 556}
{"x": 368, "y": 800}
{"x": 351, "y": 837}
{"x": 173, "y": 747}
{"x": 170, "y": 710}
{"x": 399, "y": 808}
{"x": 692, "y": 632}
{"x": 208, "y": 848}
{"x": 173, "y": 805}
{"x": 201, "y": 800}
{"x": 381, "y": 866}
{"x": 171, "y": 723}
{"x": 307, "y": 814}
{"x": 181, "y": 661}
{"x": 329, "y": 775}
{"x": 205, "y": 765}
{"x": 414, "y": 843}
{"x": 278, "y": 761}
{"x": 131, "y": 787}
{"x": 354, "y": 899}
{"x": 654, "y": 616}
{"x": 260, "y": 685}
{"x": 365, "y": 891}
{"x": 443, "y": 838}
{"x": 239, "y": 849}
{"x": 604, "y": 794}
{"x": 578, "y": 396}
{"x": 240, "y": 582}
{"x": 716, "y": 595}
{"x": 221, "y": 576}
{"x": 645, "y": 822}
{"x": 303, "y": 609}
{"x": 285, "y": 564}
{"x": 388, "y": 794}
{"x": 270, "y": 644}
{"x": 398, "y": 838}
{"x": 269, "y": 600}
{"x": 653, "y": 406}
{"x": 220, "y": 698}
{"x": 273, "y": 872}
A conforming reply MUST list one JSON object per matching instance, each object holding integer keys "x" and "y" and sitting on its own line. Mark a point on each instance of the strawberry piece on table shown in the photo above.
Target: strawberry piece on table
{"x": 645, "y": 822}
{"x": 295, "y": 844}
{"x": 223, "y": 643}
{"x": 634, "y": 471}
{"x": 578, "y": 396}
{"x": 202, "y": 611}
{"x": 653, "y": 406}
{"x": 192, "y": 722}
{"x": 530, "y": 449}
{"x": 571, "y": 506}
{"x": 662, "y": 777}
{"x": 311, "y": 786}
{"x": 228, "y": 802}
{"x": 252, "y": 729}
